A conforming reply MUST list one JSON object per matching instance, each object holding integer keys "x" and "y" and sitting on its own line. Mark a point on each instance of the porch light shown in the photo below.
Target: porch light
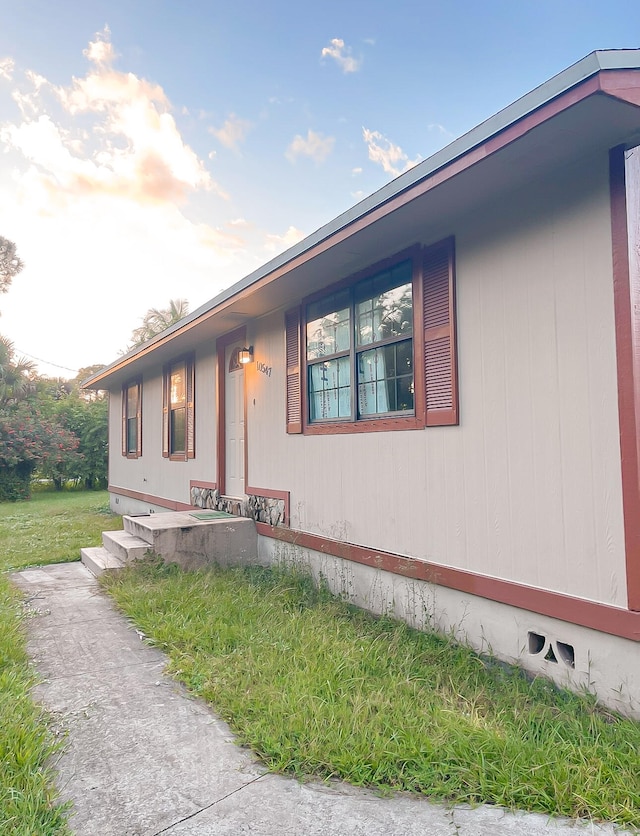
{"x": 245, "y": 355}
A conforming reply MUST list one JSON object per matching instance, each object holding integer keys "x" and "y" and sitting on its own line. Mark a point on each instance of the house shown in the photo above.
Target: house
{"x": 440, "y": 409}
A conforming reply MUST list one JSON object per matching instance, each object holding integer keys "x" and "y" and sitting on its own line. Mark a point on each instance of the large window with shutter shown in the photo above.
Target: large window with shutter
{"x": 178, "y": 408}
{"x": 377, "y": 352}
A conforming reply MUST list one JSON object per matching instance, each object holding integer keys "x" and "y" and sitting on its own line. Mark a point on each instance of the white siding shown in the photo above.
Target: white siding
{"x": 527, "y": 488}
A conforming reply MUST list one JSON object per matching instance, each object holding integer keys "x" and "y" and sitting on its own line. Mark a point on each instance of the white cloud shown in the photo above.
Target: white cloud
{"x": 100, "y": 191}
{"x": 233, "y": 132}
{"x": 356, "y": 171}
{"x": 440, "y": 129}
{"x": 137, "y": 151}
{"x": 100, "y": 51}
{"x": 383, "y": 152}
{"x": 275, "y": 244}
{"x": 315, "y": 146}
{"x": 341, "y": 54}
{"x": 6, "y": 68}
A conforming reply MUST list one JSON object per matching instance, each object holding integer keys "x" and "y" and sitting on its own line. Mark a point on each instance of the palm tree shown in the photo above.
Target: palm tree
{"x": 17, "y": 375}
{"x": 157, "y": 320}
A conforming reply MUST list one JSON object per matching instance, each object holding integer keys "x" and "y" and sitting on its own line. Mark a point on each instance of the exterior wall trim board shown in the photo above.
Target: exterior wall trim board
{"x": 626, "y": 295}
{"x": 598, "y": 616}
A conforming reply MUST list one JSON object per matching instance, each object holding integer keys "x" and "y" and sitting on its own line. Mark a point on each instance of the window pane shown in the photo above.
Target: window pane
{"x": 385, "y": 379}
{"x": 132, "y": 435}
{"x": 178, "y": 430}
{"x": 405, "y": 393}
{"x": 330, "y": 389}
{"x": 388, "y": 314}
{"x": 328, "y": 334}
{"x": 132, "y": 400}
{"x": 178, "y": 385}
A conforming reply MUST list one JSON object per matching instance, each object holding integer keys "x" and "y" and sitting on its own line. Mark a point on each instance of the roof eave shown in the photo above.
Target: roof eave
{"x": 559, "y": 85}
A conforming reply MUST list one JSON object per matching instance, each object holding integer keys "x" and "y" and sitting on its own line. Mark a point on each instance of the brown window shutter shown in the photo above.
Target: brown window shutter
{"x": 166, "y": 372}
{"x": 294, "y": 391}
{"x": 440, "y": 362}
{"x": 139, "y": 420}
{"x": 124, "y": 420}
{"x": 191, "y": 411}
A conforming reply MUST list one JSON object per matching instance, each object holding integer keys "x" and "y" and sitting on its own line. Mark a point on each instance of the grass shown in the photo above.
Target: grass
{"x": 316, "y": 687}
{"x": 50, "y": 528}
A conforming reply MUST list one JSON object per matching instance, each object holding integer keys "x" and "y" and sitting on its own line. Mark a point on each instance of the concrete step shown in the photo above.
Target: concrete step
{"x": 98, "y": 560}
{"x": 140, "y": 526}
{"x": 197, "y": 538}
{"x": 124, "y": 545}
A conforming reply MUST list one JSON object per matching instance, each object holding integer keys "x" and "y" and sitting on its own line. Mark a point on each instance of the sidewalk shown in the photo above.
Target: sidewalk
{"x": 142, "y": 758}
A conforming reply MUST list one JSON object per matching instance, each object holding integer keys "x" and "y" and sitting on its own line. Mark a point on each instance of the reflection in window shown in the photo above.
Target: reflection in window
{"x": 368, "y": 327}
{"x": 132, "y": 420}
{"x": 330, "y": 389}
{"x": 385, "y": 379}
{"x": 177, "y": 409}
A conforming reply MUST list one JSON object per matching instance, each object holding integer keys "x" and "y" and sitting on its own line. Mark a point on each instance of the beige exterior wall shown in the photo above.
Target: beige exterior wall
{"x": 151, "y": 473}
{"x": 527, "y": 488}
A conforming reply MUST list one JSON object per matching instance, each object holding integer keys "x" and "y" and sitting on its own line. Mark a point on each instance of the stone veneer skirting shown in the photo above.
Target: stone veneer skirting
{"x": 264, "y": 509}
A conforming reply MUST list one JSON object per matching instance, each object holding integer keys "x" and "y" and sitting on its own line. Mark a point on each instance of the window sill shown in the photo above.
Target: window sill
{"x": 365, "y": 426}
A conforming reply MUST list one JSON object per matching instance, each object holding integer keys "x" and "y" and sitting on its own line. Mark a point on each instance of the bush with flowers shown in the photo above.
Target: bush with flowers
{"x": 28, "y": 440}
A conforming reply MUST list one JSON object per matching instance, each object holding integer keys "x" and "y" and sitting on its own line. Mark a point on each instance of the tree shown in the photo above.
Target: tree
{"x": 17, "y": 375}
{"x": 10, "y": 264}
{"x": 157, "y": 320}
{"x": 29, "y": 440}
{"x": 87, "y": 421}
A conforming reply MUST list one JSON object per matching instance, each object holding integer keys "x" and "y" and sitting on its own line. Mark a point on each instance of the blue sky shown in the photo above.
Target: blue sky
{"x": 156, "y": 150}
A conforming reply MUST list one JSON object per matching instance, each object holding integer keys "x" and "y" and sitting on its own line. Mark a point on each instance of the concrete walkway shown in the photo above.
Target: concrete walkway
{"x": 142, "y": 758}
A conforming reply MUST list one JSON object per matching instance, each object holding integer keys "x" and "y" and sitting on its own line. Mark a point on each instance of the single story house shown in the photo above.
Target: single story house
{"x": 434, "y": 400}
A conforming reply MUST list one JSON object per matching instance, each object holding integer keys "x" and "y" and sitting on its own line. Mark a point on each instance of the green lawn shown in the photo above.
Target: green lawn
{"x": 50, "y": 528}
{"x": 317, "y": 687}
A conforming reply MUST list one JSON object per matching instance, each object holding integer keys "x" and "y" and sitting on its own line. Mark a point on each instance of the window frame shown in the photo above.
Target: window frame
{"x": 187, "y": 361}
{"x": 383, "y": 422}
{"x": 135, "y": 384}
{"x": 435, "y": 352}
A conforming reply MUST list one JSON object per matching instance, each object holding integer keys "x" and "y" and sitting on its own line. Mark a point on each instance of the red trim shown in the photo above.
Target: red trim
{"x": 626, "y": 295}
{"x": 272, "y": 494}
{"x": 171, "y": 504}
{"x": 596, "y": 616}
{"x": 378, "y": 425}
{"x": 620, "y": 84}
{"x": 196, "y": 483}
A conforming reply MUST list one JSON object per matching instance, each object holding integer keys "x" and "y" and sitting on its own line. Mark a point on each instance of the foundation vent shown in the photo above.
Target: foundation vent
{"x": 551, "y": 650}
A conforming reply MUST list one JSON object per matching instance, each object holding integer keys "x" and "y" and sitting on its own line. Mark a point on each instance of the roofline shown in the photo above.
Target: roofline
{"x": 582, "y": 70}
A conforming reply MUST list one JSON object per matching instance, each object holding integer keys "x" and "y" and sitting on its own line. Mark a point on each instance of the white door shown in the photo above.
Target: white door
{"x": 234, "y": 423}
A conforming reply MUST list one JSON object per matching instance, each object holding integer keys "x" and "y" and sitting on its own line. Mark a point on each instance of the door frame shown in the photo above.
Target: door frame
{"x": 238, "y": 335}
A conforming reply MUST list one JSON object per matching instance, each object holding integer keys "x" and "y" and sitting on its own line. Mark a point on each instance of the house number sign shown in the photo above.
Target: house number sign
{"x": 262, "y": 367}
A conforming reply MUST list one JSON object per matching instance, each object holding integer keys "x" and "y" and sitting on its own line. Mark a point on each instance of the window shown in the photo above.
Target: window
{"x": 132, "y": 419}
{"x": 178, "y": 410}
{"x": 377, "y": 352}
{"x": 360, "y": 349}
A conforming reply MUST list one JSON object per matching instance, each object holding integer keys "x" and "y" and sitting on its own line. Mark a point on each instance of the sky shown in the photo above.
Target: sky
{"x": 163, "y": 149}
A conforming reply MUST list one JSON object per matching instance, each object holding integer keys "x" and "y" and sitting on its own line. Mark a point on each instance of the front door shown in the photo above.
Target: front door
{"x": 233, "y": 422}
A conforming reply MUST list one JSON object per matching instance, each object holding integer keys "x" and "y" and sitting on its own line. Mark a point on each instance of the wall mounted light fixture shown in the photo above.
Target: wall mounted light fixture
{"x": 245, "y": 355}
